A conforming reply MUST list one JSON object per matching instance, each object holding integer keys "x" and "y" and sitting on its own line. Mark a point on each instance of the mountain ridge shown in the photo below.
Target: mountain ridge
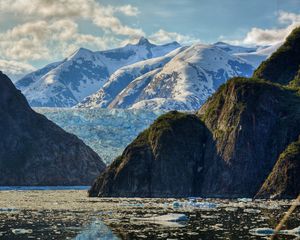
{"x": 35, "y": 151}
{"x": 66, "y": 83}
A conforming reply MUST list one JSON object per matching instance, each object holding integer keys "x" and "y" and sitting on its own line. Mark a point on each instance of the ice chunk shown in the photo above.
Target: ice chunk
{"x": 172, "y": 217}
{"x": 168, "y": 220}
{"x": 262, "y": 231}
{"x": 18, "y": 231}
{"x": 192, "y": 203}
{"x": 270, "y": 231}
{"x": 97, "y": 230}
{"x": 251, "y": 210}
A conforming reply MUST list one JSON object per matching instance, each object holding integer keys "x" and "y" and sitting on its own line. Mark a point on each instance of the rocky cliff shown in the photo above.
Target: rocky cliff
{"x": 241, "y": 143}
{"x": 172, "y": 146}
{"x": 35, "y": 151}
{"x": 284, "y": 180}
{"x": 251, "y": 122}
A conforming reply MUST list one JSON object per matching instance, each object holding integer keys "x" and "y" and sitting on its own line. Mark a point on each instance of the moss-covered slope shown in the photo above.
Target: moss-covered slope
{"x": 251, "y": 121}
{"x": 283, "y": 65}
{"x": 166, "y": 160}
{"x": 284, "y": 180}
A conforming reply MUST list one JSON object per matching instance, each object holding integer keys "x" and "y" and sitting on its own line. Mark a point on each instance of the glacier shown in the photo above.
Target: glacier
{"x": 106, "y": 131}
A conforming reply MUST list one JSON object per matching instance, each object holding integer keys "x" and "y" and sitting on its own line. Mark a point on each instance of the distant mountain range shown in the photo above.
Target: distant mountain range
{"x": 68, "y": 82}
{"x": 141, "y": 75}
{"x": 182, "y": 80}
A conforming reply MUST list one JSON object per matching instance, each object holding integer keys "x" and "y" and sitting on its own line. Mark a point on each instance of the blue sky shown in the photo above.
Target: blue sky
{"x": 36, "y": 32}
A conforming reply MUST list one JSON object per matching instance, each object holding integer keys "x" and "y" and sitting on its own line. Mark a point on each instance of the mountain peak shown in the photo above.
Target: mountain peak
{"x": 80, "y": 52}
{"x": 143, "y": 41}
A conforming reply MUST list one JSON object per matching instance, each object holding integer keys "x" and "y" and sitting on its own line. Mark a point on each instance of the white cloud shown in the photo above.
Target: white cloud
{"x": 102, "y": 16}
{"x": 162, "y": 36}
{"x": 259, "y": 36}
{"x": 286, "y": 17}
{"x": 128, "y": 10}
{"x": 46, "y": 40}
{"x": 49, "y": 29}
{"x": 15, "y": 70}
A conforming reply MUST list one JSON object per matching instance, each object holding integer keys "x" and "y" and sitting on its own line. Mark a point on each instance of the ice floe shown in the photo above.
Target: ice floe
{"x": 270, "y": 231}
{"x": 168, "y": 220}
{"x": 194, "y": 204}
{"x": 97, "y": 230}
{"x": 18, "y": 231}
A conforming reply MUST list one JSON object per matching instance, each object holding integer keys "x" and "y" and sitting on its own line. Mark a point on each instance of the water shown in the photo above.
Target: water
{"x": 70, "y": 214}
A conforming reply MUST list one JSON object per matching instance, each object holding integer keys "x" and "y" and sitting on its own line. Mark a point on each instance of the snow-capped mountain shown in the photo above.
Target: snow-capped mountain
{"x": 123, "y": 77}
{"x": 183, "y": 83}
{"x": 253, "y": 55}
{"x": 66, "y": 83}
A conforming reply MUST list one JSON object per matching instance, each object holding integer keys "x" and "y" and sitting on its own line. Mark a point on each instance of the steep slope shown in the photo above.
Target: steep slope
{"x": 251, "y": 122}
{"x": 252, "y": 55}
{"x": 283, "y": 65}
{"x": 145, "y": 167}
{"x": 182, "y": 83}
{"x": 124, "y": 76}
{"x": 66, "y": 83}
{"x": 35, "y": 151}
{"x": 284, "y": 181}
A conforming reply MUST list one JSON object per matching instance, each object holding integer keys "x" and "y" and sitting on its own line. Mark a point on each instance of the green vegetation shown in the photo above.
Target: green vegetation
{"x": 283, "y": 65}
{"x": 284, "y": 180}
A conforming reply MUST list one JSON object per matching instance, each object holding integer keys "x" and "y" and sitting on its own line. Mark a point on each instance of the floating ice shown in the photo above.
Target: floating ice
{"x": 18, "y": 231}
{"x": 8, "y": 210}
{"x": 168, "y": 220}
{"x": 132, "y": 204}
{"x": 194, "y": 204}
{"x": 270, "y": 231}
{"x": 251, "y": 210}
{"x": 97, "y": 230}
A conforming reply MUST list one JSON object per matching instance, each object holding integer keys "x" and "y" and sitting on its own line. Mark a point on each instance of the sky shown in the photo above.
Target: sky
{"x": 37, "y": 32}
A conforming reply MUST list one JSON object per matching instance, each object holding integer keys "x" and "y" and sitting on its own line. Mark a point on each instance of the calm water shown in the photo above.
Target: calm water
{"x": 67, "y": 213}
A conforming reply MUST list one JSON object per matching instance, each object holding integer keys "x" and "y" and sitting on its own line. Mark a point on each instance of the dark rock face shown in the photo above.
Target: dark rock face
{"x": 35, "y": 151}
{"x": 252, "y": 122}
{"x": 284, "y": 180}
{"x": 172, "y": 146}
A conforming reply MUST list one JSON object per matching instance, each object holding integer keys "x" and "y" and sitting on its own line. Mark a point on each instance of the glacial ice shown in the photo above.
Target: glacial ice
{"x": 106, "y": 131}
{"x": 97, "y": 230}
{"x": 167, "y": 220}
{"x": 194, "y": 204}
{"x": 18, "y": 231}
{"x": 270, "y": 231}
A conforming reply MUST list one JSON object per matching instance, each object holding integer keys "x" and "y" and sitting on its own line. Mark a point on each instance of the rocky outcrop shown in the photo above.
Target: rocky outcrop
{"x": 241, "y": 143}
{"x": 172, "y": 146}
{"x": 284, "y": 181}
{"x": 35, "y": 151}
{"x": 251, "y": 121}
